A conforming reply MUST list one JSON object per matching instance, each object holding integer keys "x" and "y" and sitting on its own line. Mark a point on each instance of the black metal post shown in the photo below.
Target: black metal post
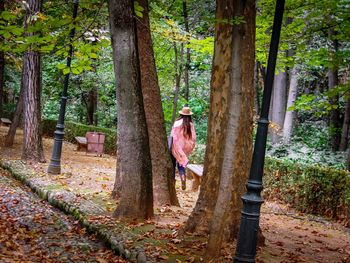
{"x": 247, "y": 237}
{"x": 55, "y": 162}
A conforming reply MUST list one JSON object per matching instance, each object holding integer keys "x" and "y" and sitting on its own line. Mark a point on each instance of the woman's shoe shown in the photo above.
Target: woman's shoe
{"x": 183, "y": 182}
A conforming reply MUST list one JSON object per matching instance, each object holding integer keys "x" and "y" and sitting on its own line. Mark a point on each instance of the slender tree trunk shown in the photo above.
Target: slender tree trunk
{"x": 229, "y": 140}
{"x": 334, "y": 116}
{"x": 279, "y": 105}
{"x": 162, "y": 168}
{"x": 188, "y": 54}
{"x": 32, "y": 147}
{"x": 290, "y": 114}
{"x": 92, "y": 106}
{"x": 16, "y": 119}
{"x": 345, "y": 130}
{"x": 134, "y": 168}
{"x": 178, "y": 72}
{"x": 2, "y": 66}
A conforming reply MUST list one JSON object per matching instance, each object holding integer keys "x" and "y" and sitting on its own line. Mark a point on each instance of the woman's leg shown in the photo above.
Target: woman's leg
{"x": 182, "y": 172}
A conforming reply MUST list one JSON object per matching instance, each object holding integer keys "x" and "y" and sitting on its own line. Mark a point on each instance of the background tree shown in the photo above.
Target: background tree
{"x": 134, "y": 168}
{"x": 162, "y": 168}
{"x": 32, "y": 147}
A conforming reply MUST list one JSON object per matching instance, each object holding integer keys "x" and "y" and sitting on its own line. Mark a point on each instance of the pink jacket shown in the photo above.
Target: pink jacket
{"x": 182, "y": 146}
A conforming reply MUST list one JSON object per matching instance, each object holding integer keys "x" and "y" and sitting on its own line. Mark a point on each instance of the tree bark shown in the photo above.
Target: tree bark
{"x": 134, "y": 168}
{"x": 162, "y": 168}
{"x": 345, "y": 130}
{"x": 229, "y": 140}
{"x": 290, "y": 114}
{"x": 32, "y": 146}
{"x": 16, "y": 119}
{"x": 92, "y": 106}
{"x": 238, "y": 140}
{"x": 279, "y": 106}
{"x": 334, "y": 115}
{"x": 188, "y": 54}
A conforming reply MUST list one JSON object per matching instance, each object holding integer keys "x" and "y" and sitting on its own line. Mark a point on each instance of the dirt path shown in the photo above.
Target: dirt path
{"x": 290, "y": 236}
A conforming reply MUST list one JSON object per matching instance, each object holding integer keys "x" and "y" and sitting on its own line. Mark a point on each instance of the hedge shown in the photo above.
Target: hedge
{"x": 309, "y": 188}
{"x": 73, "y": 129}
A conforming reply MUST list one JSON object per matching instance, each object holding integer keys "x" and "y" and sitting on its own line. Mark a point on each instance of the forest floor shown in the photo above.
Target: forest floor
{"x": 290, "y": 236}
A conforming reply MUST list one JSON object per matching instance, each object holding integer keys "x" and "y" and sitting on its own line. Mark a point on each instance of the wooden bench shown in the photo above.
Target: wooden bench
{"x": 5, "y": 121}
{"x": 82, "y": 143}
{"x": 196, "y": 171}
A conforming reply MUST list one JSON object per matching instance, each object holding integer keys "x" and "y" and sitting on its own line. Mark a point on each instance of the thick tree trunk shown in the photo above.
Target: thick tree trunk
{"x": 178, "y": 73}
{"x": 188, "y": 53}
{"x": 290, "y": 114}
{"x": 134, "y": 168}
{"x": 16, "y": 119}
{"x": 345, "y": 130}
{"x": 238, "y": 140}
{"x": 279, "y": 106}
{"x": 162, "y": 168}
{"x": 32, "y": 147}
{"x": 2, "y": 66}
{"x": 229, "y": 140}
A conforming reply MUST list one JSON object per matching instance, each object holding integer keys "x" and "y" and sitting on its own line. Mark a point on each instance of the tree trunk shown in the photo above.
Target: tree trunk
{"x": 279, "y": 105}
{"x": 345, "y": 130}
{"x": 178, "y": 72}
{"x": 2, "y": 66}
{"x": 188, "y": 54}
{"x": 334, "y": 116}
{"x": 16, "y": 119}
{"x": 162, "y": 168}
{"x": 290, "y": 114}
{"x": 134, "y": 168}
{"x": 229, "y": 140}
{"x": 32, "y": 147}
{"x": 91, "y": 106}
{"x": 238, "y": 140}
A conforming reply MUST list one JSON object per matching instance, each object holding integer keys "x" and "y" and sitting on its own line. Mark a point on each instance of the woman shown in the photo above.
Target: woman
{"x": 184, "y": 138}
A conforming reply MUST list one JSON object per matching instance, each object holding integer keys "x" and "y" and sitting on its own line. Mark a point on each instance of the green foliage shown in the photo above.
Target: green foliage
{"x": 138, "y": 9}
{"x": 310, "y": 188}
{"x": 73, "y": 129}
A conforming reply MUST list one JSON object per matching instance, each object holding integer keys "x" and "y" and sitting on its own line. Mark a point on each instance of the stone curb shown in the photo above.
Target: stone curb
{"x": 67, "y": 202}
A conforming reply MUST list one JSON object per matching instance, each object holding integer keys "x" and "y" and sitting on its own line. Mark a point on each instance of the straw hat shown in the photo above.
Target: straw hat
{"x": 186, "y": 111}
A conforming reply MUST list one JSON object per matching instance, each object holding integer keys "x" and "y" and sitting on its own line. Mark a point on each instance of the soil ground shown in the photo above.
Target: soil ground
{"x": 290, "y": 236}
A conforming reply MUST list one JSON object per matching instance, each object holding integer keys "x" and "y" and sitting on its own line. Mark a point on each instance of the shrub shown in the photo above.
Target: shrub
{"x": 309, "y": 188}
{"x": 73, "y": 129}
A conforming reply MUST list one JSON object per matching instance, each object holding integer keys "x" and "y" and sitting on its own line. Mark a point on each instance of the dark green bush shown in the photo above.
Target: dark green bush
{"x": 73, "y": 129}
{"x": 312, "y": 189}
